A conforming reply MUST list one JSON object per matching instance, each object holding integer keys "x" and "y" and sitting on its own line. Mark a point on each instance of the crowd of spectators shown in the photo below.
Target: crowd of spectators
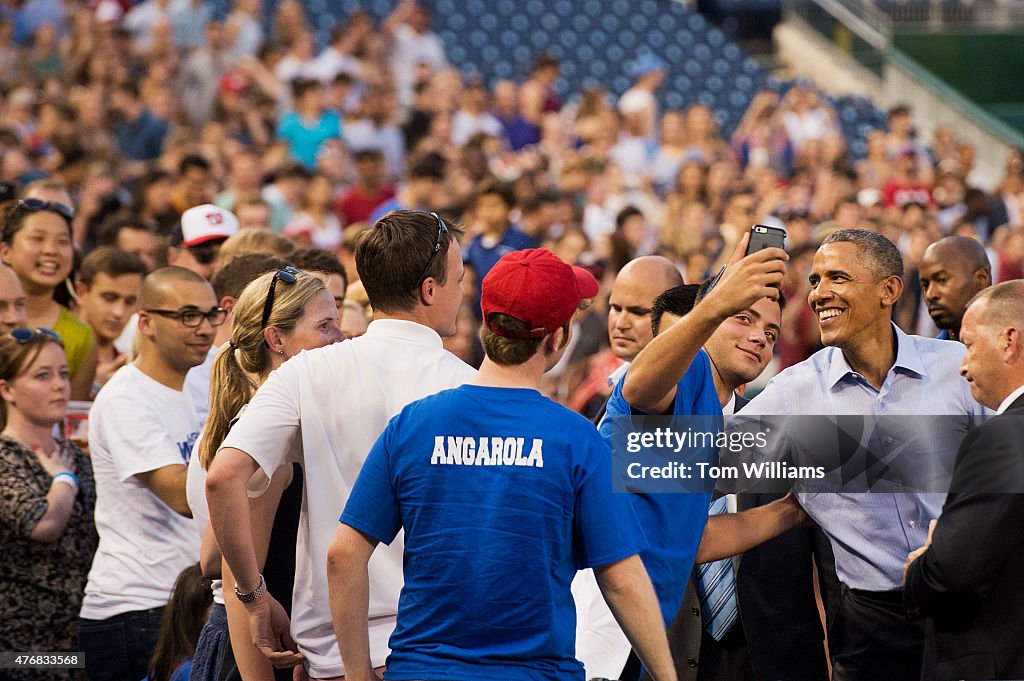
{"x": 117, "y": 118}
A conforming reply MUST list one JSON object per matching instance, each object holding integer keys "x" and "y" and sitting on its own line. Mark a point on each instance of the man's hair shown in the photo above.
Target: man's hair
{"x": 156, "y": 284}
{"x": 391, "y": 255}
{"x": 231, "y": 279}
{"x": 112, "y": 227}
{"x": 110, "y": 261}
{"x": 1004, "y": 304}
{"x": 499, "y": 189}
{"x": 511, "y": 351}
{"x": 873, "y": 249}
{"x": 193, "y": 161}
{"x": 249, "y": 241}
{"x": 368, "y": 154}
{"x": 430, "y": 166}
{"x": 319, "y": 260}
{"x": 678, "y": 301}
{"x": 625, "y": 214}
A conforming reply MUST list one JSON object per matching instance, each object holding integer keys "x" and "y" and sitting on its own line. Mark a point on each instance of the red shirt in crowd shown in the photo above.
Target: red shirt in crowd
{"x": 355, "y": 206}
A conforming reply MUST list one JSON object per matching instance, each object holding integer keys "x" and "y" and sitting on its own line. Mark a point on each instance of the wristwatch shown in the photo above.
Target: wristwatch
{"x": 253, "y": 595}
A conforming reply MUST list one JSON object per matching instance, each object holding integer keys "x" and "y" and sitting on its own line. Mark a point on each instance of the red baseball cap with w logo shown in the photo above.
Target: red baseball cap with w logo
{"x": 537, "y": 288}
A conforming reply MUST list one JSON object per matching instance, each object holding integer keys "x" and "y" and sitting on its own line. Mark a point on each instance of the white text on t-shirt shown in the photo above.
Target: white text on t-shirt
{"x": 486, "y": 451}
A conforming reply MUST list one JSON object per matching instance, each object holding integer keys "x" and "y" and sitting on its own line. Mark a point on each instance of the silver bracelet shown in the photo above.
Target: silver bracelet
{"x": 253, "y": 595}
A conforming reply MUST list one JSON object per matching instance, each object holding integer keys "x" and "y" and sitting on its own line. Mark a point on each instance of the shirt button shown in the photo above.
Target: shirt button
{"x": 691, "y": 662}
{"x": 888, "y": 440}
{"x": 695, "y": 611}
{"x": 913, "y": 524}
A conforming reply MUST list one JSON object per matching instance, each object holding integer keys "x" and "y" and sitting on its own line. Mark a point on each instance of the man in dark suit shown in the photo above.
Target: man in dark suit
{"x": 967, "y": 577}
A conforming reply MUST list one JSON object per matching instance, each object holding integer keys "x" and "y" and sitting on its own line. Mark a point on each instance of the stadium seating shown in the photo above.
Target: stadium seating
{"x": 597, "y": 40}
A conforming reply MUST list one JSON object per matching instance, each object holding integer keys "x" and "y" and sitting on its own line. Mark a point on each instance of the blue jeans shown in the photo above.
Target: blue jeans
{"x": 119, "y": 648}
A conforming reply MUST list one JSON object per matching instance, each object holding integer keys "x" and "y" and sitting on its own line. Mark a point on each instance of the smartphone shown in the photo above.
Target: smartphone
{"x": 763, "y": 236}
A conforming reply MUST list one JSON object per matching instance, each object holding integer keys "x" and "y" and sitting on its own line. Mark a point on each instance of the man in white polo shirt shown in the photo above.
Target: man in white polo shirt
{"x": 141, "y": 431}
{"x": 337, "y": 400}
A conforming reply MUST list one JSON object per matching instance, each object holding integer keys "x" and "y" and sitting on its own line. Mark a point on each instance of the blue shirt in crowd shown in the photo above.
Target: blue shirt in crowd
{"x": 304, "y": 141}
{"x": 503, "y": 495}
{"x": 485, "y": 251}
{"x": 673, "y": 523}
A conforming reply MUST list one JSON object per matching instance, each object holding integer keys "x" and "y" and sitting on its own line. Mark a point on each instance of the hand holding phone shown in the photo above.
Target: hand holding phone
{"x": 763, "y": 236}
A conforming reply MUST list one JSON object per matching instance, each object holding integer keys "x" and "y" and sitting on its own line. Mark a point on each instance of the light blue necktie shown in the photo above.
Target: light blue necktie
{"x": 716, "y": 588}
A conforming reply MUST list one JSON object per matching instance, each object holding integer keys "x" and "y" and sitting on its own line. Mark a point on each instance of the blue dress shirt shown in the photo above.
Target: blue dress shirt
{"x": 872, "y": 533}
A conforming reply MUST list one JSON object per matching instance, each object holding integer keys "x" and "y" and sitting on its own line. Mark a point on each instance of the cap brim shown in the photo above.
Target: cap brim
{"x": 206, "y": 238}
{"x": 585, "y": 283}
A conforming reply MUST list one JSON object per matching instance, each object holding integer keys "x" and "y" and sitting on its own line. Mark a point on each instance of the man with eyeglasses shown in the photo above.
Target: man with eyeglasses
{"x": 141, "y": 431}
{"x": 337, "y": 401}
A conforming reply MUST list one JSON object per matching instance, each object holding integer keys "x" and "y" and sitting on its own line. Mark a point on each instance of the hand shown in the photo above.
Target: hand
{"x": 105, "y": 370}
{"x": 748, "y": 278}
{"x": 61, "y": 461}
{"x": 796, "y": 514}
{"x": 914, "y": 555}
{"x": 269, "y": 627}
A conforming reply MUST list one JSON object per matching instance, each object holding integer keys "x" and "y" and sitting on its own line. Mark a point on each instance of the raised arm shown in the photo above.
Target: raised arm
{"x": 651, "y": 381}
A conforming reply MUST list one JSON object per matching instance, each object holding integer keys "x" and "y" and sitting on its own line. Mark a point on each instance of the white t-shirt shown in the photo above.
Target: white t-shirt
{"x": 410, "y": 49}
{"x": 197, "y": 385}
{"x": 339, "y": 398}
{"x": 137, "y": 425}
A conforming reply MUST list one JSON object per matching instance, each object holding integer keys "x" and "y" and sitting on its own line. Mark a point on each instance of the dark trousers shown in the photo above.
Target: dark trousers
{"x": 119, "y": 648}
{"x": 725, "y": 659}
{"x": 872, "y": 640}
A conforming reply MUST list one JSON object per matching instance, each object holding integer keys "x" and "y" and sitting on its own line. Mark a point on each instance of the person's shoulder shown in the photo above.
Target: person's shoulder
{"x": 808, "y": 370}
{"x": 938, "y": 346}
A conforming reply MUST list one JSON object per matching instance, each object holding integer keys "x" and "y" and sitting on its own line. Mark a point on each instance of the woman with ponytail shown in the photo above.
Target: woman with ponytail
{"x": 277, "y": 316}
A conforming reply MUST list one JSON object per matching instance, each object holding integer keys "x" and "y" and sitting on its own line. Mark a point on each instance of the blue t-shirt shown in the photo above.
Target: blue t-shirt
{"x": 673, "y": 523}
{"x": 482, "y": 257}
{"x": 385, "y": 208}
{"x": 304, "y": 142}
{"x": 503, "y": 495}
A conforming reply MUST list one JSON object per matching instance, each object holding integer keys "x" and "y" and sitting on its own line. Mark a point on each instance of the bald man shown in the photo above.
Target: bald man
{"x": 13, "y": 312}
{"x": 953, "y": 270}
{"x": 142, "y": 428}
{"x": 629, "y": 307}
{"x": 966, "y": 578}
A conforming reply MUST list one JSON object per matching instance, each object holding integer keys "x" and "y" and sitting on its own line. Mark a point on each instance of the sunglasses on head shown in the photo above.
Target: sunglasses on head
{"x": 36, "y": 205}
{"x": 286, "y": 274}
{"x": 442, "y": 229}
{"x": 25, "y": 335}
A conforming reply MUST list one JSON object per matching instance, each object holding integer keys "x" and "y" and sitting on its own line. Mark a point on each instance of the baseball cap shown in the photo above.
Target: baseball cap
{"x": 537, "y": 288}
{"x": 207, "y": 222}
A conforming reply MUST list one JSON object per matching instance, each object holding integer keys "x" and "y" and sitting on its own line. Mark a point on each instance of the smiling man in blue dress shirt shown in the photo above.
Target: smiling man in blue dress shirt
{"x": 870, "y": 367}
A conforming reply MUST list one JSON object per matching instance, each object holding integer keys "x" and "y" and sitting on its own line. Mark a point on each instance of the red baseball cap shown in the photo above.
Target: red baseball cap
{"x": 535, "y": 287}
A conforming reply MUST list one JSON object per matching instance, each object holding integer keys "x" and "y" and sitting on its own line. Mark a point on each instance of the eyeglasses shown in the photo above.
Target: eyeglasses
{"x": 36, "y": 205}
{"x": 25, "y": 335}
{"x": 286, "y": 274}
{"x": 192, "y": 318}
{"x": 441, "y": 229}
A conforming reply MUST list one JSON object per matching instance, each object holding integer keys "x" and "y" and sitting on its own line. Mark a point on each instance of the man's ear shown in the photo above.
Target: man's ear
{"x": 5, "y": 390}
{"x": 228, "y": 303}
{"x": 983, "y": 277}
{"x": 172, "y": 255}
{"x": 892, "y": 290}
{"x": 80, "y": 289}
{"x": 427, "y": 290}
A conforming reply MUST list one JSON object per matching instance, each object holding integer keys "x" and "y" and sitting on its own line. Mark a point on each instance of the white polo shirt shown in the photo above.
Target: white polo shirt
{"x": 339, "y": 398}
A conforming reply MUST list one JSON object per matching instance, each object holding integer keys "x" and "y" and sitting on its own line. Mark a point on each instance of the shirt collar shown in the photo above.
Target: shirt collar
{"x": 907, "y": 359}
{"x": 1010, "y": 399}
{"x": 402, "y": 329}
{"x": 730, "y": 407}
